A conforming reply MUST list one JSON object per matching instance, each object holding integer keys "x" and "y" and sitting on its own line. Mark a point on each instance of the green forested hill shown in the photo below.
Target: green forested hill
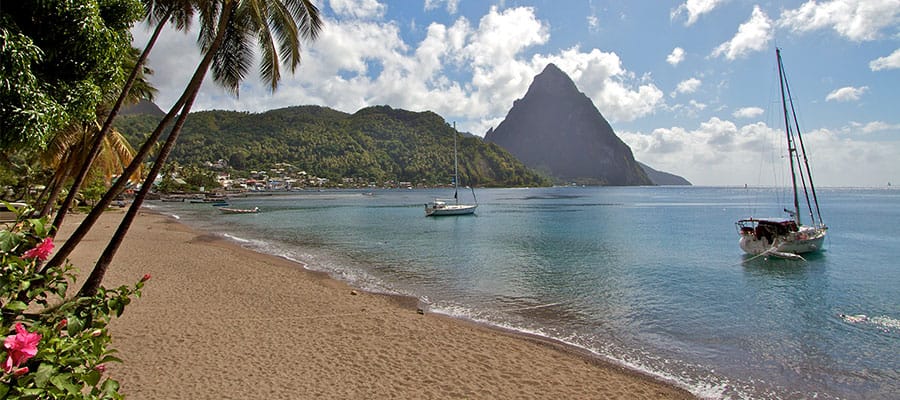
{"x": 376, "y": 144}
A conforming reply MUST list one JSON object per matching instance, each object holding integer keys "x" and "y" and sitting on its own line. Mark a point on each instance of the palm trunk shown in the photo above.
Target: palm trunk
{"x": 97, "y": 143}
{"x": 58, "y": 182}
{"x": 92, "y": 284}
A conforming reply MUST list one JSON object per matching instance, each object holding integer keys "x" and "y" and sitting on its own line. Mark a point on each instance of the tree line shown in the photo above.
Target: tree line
{"x": 376, "y": 144}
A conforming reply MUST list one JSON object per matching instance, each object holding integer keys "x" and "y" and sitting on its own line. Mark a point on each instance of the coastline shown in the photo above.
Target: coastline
{"x": 221, "y": 321}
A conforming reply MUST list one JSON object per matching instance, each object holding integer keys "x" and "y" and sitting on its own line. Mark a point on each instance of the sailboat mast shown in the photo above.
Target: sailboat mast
{"x": 805, "y": 172}
{"x": 787, "y": 129}
{"x": 455, "y": 167}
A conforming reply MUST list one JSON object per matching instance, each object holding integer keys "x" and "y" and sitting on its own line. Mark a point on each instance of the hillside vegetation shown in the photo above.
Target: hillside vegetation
{"x": 376, "y": 144}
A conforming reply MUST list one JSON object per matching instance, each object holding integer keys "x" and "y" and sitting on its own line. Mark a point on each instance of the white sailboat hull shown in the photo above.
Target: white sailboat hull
{"x": 807, "y": 239}
{"x": 449, "y": 209}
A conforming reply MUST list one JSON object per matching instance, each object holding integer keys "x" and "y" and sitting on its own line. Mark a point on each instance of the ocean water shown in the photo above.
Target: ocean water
{"x": 648, "y": 277}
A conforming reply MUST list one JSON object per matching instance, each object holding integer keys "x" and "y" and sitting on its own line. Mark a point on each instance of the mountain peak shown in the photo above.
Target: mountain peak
{"x": 557, "y": 130}
{"x": 552, "y": 81}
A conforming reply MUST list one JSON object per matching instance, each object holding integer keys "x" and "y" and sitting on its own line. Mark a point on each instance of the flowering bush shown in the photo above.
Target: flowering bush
{"x": 54, "y": 347}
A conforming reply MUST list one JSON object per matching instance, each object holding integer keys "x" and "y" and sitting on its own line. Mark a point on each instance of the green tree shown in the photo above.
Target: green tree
{"x": 57, "y": 59}
{"x": 278, "y": 27}
{"x": 160, "y": 12}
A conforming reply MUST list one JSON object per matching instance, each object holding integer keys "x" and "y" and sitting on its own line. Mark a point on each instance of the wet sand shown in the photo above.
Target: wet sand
{"x": 218, "y": 321}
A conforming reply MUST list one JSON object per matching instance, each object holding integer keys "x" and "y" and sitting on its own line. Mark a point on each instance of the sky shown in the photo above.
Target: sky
{"x": 691, "y": 86}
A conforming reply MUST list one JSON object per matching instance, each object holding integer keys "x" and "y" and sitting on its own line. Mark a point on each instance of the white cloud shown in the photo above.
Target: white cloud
{"x": 847, "y": 93}
{"x": 748, "y": 112}
{"x": 470, "y": 72}
{"x": 753, "y": 35}
{"x": 688, "y": 86}
{"x": 720, "y": 152}
{"x": 872, "y": 127}
{"x": 593, "y": 23}
{"x": 601, "y": 76}
{"x": 857, "y": 20}
{"x": 694, "y": 9}
{"x": 888, "y": 62}
{"x": 676, "y": 57}
{"x": 452, "y": 5}
{"x": 360, "y": 9}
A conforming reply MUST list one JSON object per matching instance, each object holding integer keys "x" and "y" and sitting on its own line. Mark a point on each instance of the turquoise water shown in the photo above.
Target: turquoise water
{"x": 648, "y": 277}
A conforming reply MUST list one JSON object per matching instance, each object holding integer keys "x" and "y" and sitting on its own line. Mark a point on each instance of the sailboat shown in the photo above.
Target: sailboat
{"x": 440, "y": 207}
{"x": 788, "y": 237}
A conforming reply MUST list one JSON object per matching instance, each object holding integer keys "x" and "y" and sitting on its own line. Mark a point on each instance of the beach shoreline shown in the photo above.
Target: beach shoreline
{"x": 218, "y": 320}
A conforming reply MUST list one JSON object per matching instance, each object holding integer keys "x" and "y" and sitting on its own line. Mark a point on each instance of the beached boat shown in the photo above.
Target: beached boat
{"x": 440, "y": 207}
{"x": 788, "y": 237}
{"x": 230, "y": 210}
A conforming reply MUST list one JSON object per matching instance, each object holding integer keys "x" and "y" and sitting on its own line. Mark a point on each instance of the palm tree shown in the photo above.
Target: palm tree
{"x": 278, "y": 27}
{"x": 68, "y": 150}
{"x": 160, "y": 12}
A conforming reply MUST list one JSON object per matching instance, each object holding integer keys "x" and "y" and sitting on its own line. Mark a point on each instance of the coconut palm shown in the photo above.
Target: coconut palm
{"x": 278, "y": 26}
{"x": 68, "y": 151}
{"x": 160, "y": 12}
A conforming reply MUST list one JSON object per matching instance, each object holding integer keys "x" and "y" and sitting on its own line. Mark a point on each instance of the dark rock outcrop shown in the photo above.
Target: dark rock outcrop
{"x": 663, "y": 178}
{"x": 557, "y": 130}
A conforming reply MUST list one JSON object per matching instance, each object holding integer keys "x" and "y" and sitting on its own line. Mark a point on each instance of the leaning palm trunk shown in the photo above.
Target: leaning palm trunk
{"x": 93, "y": 281}
{"x": 56, "y": 186}
{"x": 97, "y": 143}
{"x": 115, "y": 189}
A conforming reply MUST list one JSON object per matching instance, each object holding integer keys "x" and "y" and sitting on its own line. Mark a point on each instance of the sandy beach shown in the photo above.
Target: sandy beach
{"x": 217, "y": 321}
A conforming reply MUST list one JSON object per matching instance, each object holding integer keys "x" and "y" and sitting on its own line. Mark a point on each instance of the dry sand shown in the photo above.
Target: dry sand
{"x": 217, "y": 321}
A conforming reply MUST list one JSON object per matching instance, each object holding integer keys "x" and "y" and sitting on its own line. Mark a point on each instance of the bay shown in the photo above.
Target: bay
{"x": 648, "y": 277}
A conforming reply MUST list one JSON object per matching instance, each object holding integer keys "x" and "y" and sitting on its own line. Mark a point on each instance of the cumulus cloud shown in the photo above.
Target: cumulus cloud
{"x": 888, "y": 62}
{"x": 846, "y": 93}
{"x": 451, "y": 5}
{"x": 602, "y": 77}
{"x": 748, "y": 112}
{"x": 687, "y": 86}
{"x": 753, "y": 35}
{"x": 360, "y": 9}
{"x": 469, "y": 71}
{"x": 676, "y": 56}
{"x": 858, "y": 20}
{"x": 721, "y": 152}
{"x": 694, "y": 9}
{"x": 872, "y": 127}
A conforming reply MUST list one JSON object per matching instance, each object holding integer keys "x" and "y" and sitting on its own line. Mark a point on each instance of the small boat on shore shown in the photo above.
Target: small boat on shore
{"x": 229, "y": 210}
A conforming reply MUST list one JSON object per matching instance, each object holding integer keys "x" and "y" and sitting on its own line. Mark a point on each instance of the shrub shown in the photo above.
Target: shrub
{"x": 55, "y": 347}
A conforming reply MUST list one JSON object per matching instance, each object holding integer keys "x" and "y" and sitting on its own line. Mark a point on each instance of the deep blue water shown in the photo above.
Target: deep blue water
{"x": 650, "y": 277}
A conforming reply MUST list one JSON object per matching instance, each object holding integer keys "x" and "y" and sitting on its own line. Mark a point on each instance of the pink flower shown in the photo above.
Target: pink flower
{"x": 101, "y": 368}
{"x": 41, "y": 251}
{"x": 20, "y": 347}
{"x": 145, "y": 278}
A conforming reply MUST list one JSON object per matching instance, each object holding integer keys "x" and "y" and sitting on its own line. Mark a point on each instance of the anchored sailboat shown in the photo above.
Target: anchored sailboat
{"x": 788, "y": 237}
{"x": 440, "y": 207}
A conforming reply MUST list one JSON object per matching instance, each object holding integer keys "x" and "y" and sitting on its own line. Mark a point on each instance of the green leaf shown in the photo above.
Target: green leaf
{"x": 110, "y": 386}
{"x": 74, "y": 325}
{"x": 44, "y": 373}
{"x": 4, "y": 389}
{"x": 64, "y": 382}
{"x": 108, "y": 359}
{"x": 92, "y": 378}
{"x": 15, "y": 306}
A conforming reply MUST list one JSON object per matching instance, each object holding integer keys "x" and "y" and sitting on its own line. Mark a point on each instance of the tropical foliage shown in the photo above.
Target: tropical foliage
{"x": 57, "y": 60}
{"x": 54, "y": 347}
{"x": 376, "y": 144}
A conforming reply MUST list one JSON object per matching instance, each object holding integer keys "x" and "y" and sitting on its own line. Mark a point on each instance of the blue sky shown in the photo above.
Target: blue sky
{"x": 691, "y": 85}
